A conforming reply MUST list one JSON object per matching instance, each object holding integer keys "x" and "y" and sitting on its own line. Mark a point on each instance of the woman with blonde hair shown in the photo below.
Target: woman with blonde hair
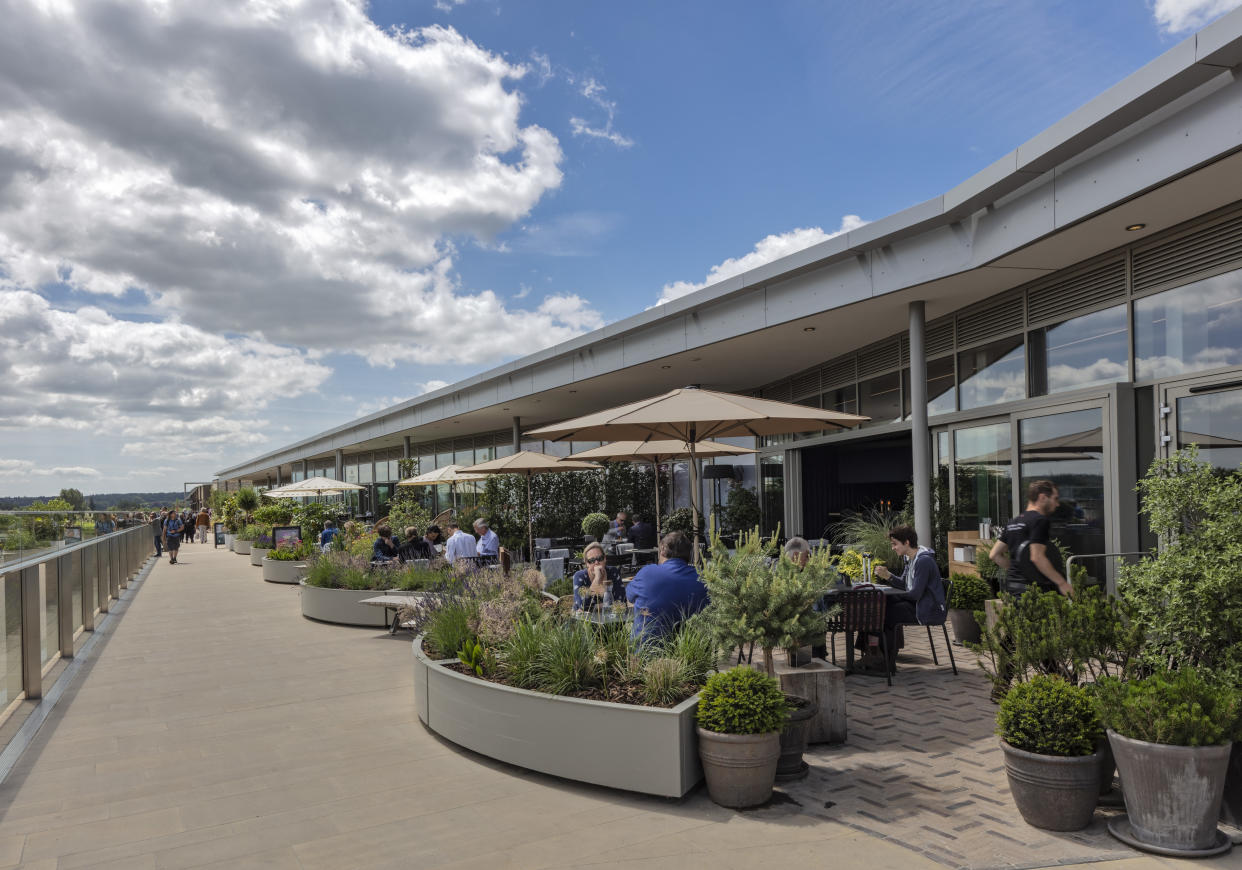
{"x": 596, "y": 583}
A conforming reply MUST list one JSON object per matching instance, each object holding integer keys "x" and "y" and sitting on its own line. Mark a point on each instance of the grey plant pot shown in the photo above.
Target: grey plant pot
{"x": 1231, "y": 805}
{"x": 1173, "y": 793}
{"x": 740, "y": 769}
{"x": 257, "y": 555}
{"x": 277, "y": 571}
{"x": 241, "y": 547}
{"x": 1053, "y": 792}
{"x": 794, "y": 739}
{"x": 965, "y": 626}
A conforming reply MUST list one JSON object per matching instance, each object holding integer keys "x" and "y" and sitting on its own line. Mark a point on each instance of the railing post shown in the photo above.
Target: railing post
{"x": 87, "y": 568}
{"x": 32, "y": 634}
{"x": 64, "y": 601}
{"x": 103, "y": 585}
{"x": 114, "y": 571}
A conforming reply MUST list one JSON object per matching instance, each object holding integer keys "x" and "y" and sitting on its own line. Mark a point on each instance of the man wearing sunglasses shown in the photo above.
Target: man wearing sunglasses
{"x": 595, "y": 579}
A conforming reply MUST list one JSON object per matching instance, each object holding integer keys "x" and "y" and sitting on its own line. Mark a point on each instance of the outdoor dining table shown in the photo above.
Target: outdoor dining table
{"x": 393, "y": 603}
{"x": 834, "y": 593}
{"x": 604, "y": 617}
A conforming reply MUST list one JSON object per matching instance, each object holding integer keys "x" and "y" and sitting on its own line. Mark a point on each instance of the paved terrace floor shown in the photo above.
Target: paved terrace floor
{"x": 219, "y": 728}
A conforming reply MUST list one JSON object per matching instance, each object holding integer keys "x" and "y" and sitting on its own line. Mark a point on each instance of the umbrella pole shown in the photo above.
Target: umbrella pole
{"x": 656, "y": 467}
{"x": 694, "y": 493}
{"x": 530, "y": 522}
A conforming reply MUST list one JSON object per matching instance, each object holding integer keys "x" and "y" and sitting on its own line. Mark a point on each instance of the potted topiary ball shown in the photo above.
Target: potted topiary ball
{"x": 967, "y": 593}
{"x": 741, "y": 713}
{"x": 1048, "y": 730}
{"x": 1171, "y": 734}
{"x": 596, "y": 525}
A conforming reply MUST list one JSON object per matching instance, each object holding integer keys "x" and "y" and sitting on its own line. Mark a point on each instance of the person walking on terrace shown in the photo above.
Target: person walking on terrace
{"x": 1025, "y": 552}
{"x": 173, "y": 529}
{"x": 203, "y": 524}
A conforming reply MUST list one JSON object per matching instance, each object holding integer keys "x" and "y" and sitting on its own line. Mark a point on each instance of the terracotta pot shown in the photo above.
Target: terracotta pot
{"x": 1053, "y": 792}
{"x": 740, "y": 769}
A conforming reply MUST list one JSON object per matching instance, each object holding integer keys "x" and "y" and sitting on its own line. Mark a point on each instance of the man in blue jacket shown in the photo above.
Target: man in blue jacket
{"x": 668, "y": 592}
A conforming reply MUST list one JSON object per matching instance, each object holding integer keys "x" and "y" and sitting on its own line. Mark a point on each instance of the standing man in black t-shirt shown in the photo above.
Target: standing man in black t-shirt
{"x": 1025, "y": 552}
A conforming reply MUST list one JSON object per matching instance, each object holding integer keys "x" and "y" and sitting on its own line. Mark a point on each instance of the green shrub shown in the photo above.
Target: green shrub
{"x": 1179, "y": 708}
{"x": 363, "y": 545}
{"x": 247, "y": 499}
{"x": 564, "y": 586}
{"x": 1048, "y": 716}
{"x": 336, "y": 571}
{"x": 741, "y": 511}
{"x": 274, "y": 513}
{"x": 448, "y": 628}
{"x": 248, "y": 532}
{"x": 300, "y": 553}
{"x": 596, "y": 525}
{"x": 566, "y": 661}
{"x": 968, "y": 592}
{"x": 867, "y": 532}
{"x": 474, "y": 657}
{"x": 519, "y": 657}
{"x": 987, "y": 569}
{"x": 682, "y": 520}
{"x": 694, "y": 645}
{"x": 664, "y": 681}
{"x": 742, "y": 701}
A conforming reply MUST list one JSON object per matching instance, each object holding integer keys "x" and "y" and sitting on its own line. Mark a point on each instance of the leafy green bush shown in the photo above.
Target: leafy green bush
{"x": 1048, "y": 716}
{"x": 968, "y": 592}
{"x": 742, "y": 701}
{"x": 867, "y": 532}
{"x": 596, "y": 525}
{"x": 694, "y": 645}
{"x": 474, "y": 657}
{"x": 300, "y": 553}
{"x": 448, "y": 629}
{"x": 363, "y": 545}
{"x": 249, "y": 532}
{"x": 273, "y": 513}
{"x": 664, "y": 681}
{"x": 566, "y": 661}
{"x": 247, "y": 499}
{"x": 682, "y": 520}
{"x": 987, "y": 569}
{"x": 741, "y": 511}
{"x": 1179, "y": 708}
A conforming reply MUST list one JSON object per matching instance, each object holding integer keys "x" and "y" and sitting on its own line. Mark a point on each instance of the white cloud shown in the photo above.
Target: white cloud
{"x": 284, "y": 170}
{"x": 769, "y": 248}
{"x": 594, "y": 91}
{"x": 1178, "y": 16}
{"x": 19, "y": 468}
{"x": 448, "y": 5}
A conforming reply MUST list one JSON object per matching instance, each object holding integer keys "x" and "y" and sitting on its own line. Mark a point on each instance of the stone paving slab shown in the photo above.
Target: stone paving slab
{"x": 219, "y": 728}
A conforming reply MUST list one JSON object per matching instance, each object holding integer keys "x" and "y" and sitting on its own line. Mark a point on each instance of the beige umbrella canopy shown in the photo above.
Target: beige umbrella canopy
{"x": 450, "y": 474}
{"x": 656, "y": 452}
{"x": 693, "y": 415}
{"x": 312, "y": 486}
{"x": 528, "y": 463}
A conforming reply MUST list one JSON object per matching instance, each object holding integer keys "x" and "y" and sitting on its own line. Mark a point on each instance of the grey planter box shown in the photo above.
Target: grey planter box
{"x": 241, "y": 547}
{"x": 643, "y": 749}
{"x": 341, "y": 605}
{"x": 257, "y": 555}
{"x": 277, "y": 571}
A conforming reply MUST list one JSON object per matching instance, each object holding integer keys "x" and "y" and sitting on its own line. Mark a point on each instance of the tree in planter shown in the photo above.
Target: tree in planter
{"x": 1187, "y": 594}
{"x": 596, "y": 525}
{"x": 752, "y": 603}
{"x": 247, "y": 499}
{"x": 741, "y": 510}
{"x": 681, "y": 520}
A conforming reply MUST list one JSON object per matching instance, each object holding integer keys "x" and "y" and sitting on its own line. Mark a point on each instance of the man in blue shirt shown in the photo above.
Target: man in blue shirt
{"x": 668, "y": 592}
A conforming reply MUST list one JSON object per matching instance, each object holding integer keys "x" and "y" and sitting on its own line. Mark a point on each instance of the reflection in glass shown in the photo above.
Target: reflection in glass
{"x": 992, "y": 373}
{"x": 11, "y": 614}
{"x": 880, "y": 399}
{"x": 772, "y": 491}
{"x": 365, "y": 469}
{"x": 444, "y": 458}
{"x": 983, "y": 474}
{"x": 1214, "y": 422}
{"x": 941, "y": 389}
{"x": 1082, "y": 352}
{"x": 1189, "y": 329}
{"x": 351, "y": 473}
{"x": 1068, "y": 449}
{"x": 49, "y": 642}
{"x": 842, "y": 399}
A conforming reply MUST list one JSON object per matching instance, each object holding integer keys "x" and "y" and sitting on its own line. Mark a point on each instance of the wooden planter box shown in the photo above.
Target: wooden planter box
{"x": 341, "y": 606}
{"x": 275, "y": 571}
{"x": 643, "y": 749}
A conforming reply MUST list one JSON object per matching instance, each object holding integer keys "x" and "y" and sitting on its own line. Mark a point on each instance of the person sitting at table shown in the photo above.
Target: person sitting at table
{"x": 460, "y": 544}
{"x": 642, "y": 534}
{"x": 414, "y": 546}
{"x": 666, "y": 593}
{"x": 595, "y": 577}
{"x": 329, "y": 532}
{"x": 488, "y": 543}
{"x": 385, "y": 547}
{"x": 923, "y": 601}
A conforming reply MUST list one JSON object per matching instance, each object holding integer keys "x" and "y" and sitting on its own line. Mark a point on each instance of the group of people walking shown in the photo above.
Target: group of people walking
{"x": 170, "y": 528}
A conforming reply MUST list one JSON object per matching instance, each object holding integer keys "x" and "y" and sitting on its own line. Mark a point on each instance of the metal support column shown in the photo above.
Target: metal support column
{"x": 517, "y": 434}
{"x": 63, "y": 570}
{"x": 340, "y": 464}
{"x": 88, "y": 571}
{"x": 32, "y": 634}
{"x": 920, "y": 438}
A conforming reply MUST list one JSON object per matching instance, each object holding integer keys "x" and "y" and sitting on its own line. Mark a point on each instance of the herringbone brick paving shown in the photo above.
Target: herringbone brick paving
{"x": 922, "y": 768}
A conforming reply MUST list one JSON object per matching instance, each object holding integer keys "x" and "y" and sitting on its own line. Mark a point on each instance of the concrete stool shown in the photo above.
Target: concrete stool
{"x": 823, "y": 684}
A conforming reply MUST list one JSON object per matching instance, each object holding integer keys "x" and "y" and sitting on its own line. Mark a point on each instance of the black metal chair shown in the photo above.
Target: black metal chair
{"x": 862, "y": 610}
{"x": 948, "y": 588}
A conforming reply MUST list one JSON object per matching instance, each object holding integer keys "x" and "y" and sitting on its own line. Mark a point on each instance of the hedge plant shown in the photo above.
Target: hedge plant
{"x": 968, "y": 592}
{"x": 742, "y": 701}
{"x": 596, "y": 525}
{"x": 1179, "y": 708}
{"x": 1048, "y": 716}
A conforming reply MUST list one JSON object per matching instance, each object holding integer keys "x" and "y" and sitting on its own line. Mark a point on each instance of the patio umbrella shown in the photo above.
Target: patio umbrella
{"x": 312, "y": 486}
{"x": 693, "y": 415}
{"x": 528, "y": 463}
{"x": 656, "y": 452}
{"x": 450, "y": 474}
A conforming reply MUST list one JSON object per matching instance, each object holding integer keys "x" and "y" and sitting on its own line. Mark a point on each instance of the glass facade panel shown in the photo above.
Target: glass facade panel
{"x": 983, "y": 474}
{"x": 993, "y": 373}
{"x": 1189, "y": 329}
{"x": 49, "y": 642}
{"x": 772, "y": 491}
{"x": 505, "y": 449}
{"x": 297, "y": 474}
{"x": 366, "y": 471}
{"x": 351, "y": 473}
{"x": 1068, "y": 449}
{"x": 1214, "y": 422}
{"x": 880, "y": 399}
{"x": 444, "y": 457}
{"x": 12, "y": 617}
{"x": 1083, "y": 352}
{"x": 843, "y": 399}
{"x": 941, "y": 387}
{"x": 559, "y": 449}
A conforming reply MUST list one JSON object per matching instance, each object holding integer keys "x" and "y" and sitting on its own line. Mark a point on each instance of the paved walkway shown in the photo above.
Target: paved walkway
{"x": 218, "y": 728}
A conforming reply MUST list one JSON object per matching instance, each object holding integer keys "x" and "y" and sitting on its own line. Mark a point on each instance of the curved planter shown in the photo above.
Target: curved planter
{"x": 341, "y": 605}
{"x": 1053, "y": 792}
{"x": 965, "y": 626}
{"x": 241, "y": 547}
{"x": 257, "y": 555}
{"x": 649, "y": 749}
{"x": 740, "y": 769}
{"x": 1173, "y": 793}
{"x": 229, "y": 541}
{"x": 275, "y": 571}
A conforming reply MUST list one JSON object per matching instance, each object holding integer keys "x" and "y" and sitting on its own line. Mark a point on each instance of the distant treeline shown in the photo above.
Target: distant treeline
{"x": 105, "y": 501}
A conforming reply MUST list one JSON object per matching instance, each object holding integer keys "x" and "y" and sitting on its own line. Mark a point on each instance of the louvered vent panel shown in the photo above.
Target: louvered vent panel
{"x": 878, "y": 359}
{"x": 806, "y": 384}
{"x": 1077, "y": 293}
{"x": 904, "y": 340}
{"x": 782, "y": 392}
{"x": 1214, "y": 246}
{"x": 986, "y": 322}
{"x": 838, "y": 373}
{"x": 939, "y": 337}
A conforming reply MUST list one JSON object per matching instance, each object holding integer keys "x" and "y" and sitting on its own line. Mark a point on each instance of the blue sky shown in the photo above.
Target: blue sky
{"x": 254, "y": 228}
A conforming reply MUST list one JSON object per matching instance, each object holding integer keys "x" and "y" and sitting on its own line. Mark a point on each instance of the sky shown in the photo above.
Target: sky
{"x": 228, "y": 226}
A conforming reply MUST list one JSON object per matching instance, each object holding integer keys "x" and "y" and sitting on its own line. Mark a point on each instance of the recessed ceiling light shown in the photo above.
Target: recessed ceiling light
{"x": 504, "y": 409}
{"x": 666, "y": 367}
{"x": 808, "y": 329}
{"x": 573, "y": 391}
{"x": 1133, "y": 228}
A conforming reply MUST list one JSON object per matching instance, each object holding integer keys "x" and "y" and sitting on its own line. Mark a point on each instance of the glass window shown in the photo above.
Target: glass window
{"x": 1214, "y": 422}
{"x": 559, "y": 449}
{"x": 772, "y": 484}
{"x": 809, "y": 402}
{"x": 351, "y": 473}
{"x": 444, "y": 456}
{"x": 366, "y": 471}
{"x": 993, "y": 373}
{"x": 463, "y": 456}
{"x": 505, "y": 449}
{"x": 1082, "y": 352}
{"x": 1068, "y": 449}
{"x": 11, "y": 614}
{"x": 941, "y": 387}
{"x": 842, "y": 399}
{"x": 880, "y": 399}
{"x": 983, "y": 473}
{"x": 1189, "y": 329}
{"x": 298, "y": 474}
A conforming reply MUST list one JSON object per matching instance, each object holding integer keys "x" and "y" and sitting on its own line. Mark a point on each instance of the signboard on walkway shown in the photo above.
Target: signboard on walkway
{"x": 219, "y": 530}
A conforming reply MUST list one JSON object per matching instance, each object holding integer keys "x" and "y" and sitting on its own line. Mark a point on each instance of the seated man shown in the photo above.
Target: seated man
{"x": 642, "y": 534}
{"x": 460, "y": 544}
{"x": 668, "y": 592}
{"x": 329, "y": 532}
{"x": 414, "y": 546}
{"x": 385, "y": 547}
{"x": 595, "y": 579}
{"x": 923, "y": 602}
{"x": 488, "y": 543}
